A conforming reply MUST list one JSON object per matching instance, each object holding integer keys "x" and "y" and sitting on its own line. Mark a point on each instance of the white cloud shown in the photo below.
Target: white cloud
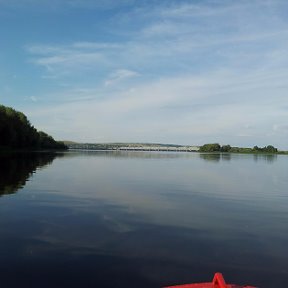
{"x": 186, "y": 108}
{"x": 120, "y": 75}
{"x": 53, "y": 4}
{"x": 169, "y": 43}
{"x": 70, "y": 59}
{"x": 212, "y": 70}
{"x": 281, "y": 128}
{"x": 33, "y": 99}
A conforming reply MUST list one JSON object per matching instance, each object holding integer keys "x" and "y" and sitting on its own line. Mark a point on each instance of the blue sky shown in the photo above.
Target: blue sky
{"x": 185, "y": 72}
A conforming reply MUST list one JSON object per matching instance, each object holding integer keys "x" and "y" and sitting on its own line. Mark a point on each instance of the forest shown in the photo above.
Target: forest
{"x": 216, "y": 147}
{"x": 16, "y": 132}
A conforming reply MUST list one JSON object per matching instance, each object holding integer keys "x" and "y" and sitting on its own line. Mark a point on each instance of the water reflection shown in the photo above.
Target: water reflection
{"x": 133, "y": 154}
{"x": 269, "y": 158}
{"x": 213, "y": 157}
{"x": 17, "y": 168}
{"x": 138, "y": 219}
{"x": 216, "y": 157}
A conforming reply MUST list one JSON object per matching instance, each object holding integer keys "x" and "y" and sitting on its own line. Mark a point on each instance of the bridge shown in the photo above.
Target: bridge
{"x": 133, "y": 147}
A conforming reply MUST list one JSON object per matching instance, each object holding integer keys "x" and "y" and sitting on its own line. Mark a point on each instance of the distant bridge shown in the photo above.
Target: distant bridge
{"x": 161, "y": 148}
{"x": 117, "y": 147}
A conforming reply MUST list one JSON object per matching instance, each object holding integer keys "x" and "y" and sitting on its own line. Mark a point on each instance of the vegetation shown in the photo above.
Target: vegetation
{"x": 16, "y": 132}
{"x": 215, "y": 147}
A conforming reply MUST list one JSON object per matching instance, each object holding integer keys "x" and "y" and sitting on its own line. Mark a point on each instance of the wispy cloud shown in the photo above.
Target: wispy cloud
{"x": 179, "y": 33}
{"x": 192, "y": 72}
{"x": 92, "y": 4}
{"x": 63, "y": 59}
{"x": 120, "y": 75}
{"x": 33, "y": 98}
{"x": 192, "y": 108}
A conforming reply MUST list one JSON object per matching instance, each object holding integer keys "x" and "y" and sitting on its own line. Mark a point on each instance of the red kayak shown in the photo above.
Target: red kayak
{"x": 218, "y": 282}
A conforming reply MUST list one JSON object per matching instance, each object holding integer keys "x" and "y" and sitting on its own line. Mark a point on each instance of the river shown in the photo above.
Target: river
{"x": 142, "y": 219}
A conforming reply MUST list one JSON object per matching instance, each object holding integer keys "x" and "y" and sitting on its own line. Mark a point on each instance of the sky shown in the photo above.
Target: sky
{"x": 159, "y": 71}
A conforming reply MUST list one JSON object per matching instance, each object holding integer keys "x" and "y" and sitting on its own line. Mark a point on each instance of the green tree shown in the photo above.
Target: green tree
{"x": 270, "y": 149}
{"x": 225, "y": 148}
{"x": 17, "y": 132}
{"x": 214, "y": 147}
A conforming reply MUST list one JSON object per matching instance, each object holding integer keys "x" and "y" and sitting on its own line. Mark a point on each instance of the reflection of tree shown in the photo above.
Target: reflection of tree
{"x": 226, "y": 156}
{"x": 265, "y": 157}
{"x": 214, "y": 157}
{"x": 16, "y": 168}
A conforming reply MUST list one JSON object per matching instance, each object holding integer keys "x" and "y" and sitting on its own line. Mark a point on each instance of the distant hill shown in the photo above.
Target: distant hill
{"x": 16, "y": 132}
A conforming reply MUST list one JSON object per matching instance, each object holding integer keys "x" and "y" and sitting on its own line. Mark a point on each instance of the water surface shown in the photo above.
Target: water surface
{"x": 138, "y": 219}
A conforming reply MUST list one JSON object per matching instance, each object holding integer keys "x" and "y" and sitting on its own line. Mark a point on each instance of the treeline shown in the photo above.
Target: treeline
{"x": 215, "y": 147}
{"x": 16, "y": 132}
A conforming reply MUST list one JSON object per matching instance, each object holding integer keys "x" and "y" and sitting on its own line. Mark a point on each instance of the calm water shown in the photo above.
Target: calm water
{"x": 137, "y": 219}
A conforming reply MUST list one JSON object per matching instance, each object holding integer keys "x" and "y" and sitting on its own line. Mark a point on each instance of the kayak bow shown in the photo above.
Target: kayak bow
{"x": 218, "y": 282}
